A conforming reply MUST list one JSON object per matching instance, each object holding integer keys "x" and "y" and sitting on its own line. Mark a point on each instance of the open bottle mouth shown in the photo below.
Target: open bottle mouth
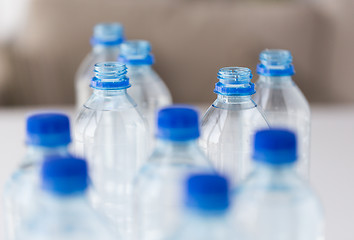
{"x": 234, "y": 75}
{"x": 110, "y": 75}
{"x": 275, "y": 57}
{"x": 275, "y": 62}
{"x": 234, "y": 81}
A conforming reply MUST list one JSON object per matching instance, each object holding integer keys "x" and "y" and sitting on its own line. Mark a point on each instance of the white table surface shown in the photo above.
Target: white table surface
{"x": 332, "y": 160}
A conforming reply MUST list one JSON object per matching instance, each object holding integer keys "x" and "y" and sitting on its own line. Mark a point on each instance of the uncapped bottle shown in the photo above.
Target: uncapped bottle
{"x": 112, "y": 134}
{"x": 283, "y": 102}
{"x": 148, "y": 89}
{"x": 230, "y": 122}
{"x": 105, "y": 43}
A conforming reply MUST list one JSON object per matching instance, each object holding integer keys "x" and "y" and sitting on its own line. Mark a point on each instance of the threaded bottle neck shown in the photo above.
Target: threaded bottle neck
{"x": 275, "y": 62}
{"x": 234, "y": 81}
{"x": 136, "y": 52}
{"x": 110, "y": 76}
{"x": 107, "y": 34}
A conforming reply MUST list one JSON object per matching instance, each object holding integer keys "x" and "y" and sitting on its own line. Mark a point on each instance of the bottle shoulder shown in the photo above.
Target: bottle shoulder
{"x": 109, "y": 103}
{"x": 205, "y": 228}
{"x": 17, "y": 183}
{"x": 290, "y": 203}
{"x": 67, "y": 221}
{"x": 89, "y": 119}
{"x": 287, "y": 189}
{"x": 174, "y": 164}
{"x": 25, "y": 174}
{"x": 179, "y": 160}
{"x": 220, "y": 119}
{"x": 287, "y": 98}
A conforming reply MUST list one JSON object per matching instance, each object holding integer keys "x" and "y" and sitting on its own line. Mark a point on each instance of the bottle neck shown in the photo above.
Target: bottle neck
{"x": 275, "y": 79}
{"x": 66, "y": 203}
{"x": 176, "y": 146}
{"x": 234, "y": 102}
{"x": 36, "y": 154}
{"x": 110, "y": 93}
{"x": 186, "y": 154}
{"x": 206, "y": 220}
{"x": 234, "y": 99}
{"x": 273, "y": 172}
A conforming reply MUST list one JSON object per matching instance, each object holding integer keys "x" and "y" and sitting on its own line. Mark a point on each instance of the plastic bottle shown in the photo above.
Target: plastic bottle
{"x": 47, "y": 134}
{"x": 206, "y": 214}
{"x": 112, "y": 134}
{"x": 105, "y": 42}
{"x": 148, "y": 90}
{"x": 160, "y": 181}
{"x": 283, "y": 102}
{"x": 62, "y": 208}
{"x": 230, "y": 122}
{"x": 274, "y": 202}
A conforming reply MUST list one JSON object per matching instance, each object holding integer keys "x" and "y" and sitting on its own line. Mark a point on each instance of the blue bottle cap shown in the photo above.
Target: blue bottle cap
{"x": 234, "y": 81}
{"x": 207, "y": 192}
{"x": 275, "y": 62}
{"x": 107, "y": 34}
{"x": 110, "y": 76}
{"x": 178, "y": 123}
{"x": 48, "y": 130}
{"x": 64, "y": 175}
{"x": 275, "y": 146}
{"x": 136, "y": 52}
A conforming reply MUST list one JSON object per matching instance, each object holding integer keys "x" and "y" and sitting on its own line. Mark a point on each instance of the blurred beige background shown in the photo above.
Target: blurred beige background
{"x": 42, "y": 42}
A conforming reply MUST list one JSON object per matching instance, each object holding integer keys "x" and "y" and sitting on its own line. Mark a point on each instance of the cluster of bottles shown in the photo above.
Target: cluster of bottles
{"x": 143, "y": 169}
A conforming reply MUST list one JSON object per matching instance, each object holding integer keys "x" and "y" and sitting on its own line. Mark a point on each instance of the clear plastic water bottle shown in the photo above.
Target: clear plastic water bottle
{"x": 159, "y": 185}
{"x": 206, "y": 214}
{"x": 105, "y": 42}
{"x": 230, "y": 122}
{"x": 274, "y": 202}
{"x": 112, "y": 134}
{"x": 47, "y": 134}
{"x": 148, "y": 90}
{"x": 62, "y": 208}
{"x": 283, "y": 102}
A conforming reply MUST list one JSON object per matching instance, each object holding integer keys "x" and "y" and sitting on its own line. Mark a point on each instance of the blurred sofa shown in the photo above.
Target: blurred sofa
{"x": 191, "y": 41}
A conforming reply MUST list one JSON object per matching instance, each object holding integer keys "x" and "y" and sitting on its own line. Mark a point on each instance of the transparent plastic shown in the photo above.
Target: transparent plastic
{"x": 201, "y": 226}
{"x": 112, "y": 135}
{"x": 106, "y": 40}
{"x": 20, "y": 189}
{"x": 149, "y": 92}
{"x": 159, "y": 186}
{"x": 62, "y": 217}
{"x": 274, "y": 203}
{"x": 99, "y": 53}
{"x": 285, "y": 106}
{"x": 228, "y": 127}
